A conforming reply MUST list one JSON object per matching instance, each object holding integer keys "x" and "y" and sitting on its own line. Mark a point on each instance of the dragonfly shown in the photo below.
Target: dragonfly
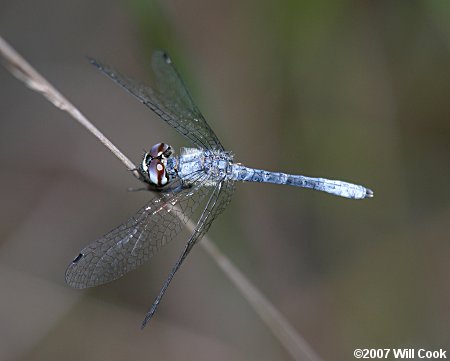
{"x": 202, "y": 174}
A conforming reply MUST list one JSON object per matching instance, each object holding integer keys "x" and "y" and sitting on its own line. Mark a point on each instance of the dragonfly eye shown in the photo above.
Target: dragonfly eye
{"x": 157, "y": 173}
{"x": 160, "y": 150}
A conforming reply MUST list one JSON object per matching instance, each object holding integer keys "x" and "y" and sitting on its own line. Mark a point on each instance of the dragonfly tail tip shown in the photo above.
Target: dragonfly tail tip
{"x": 369, "y": 193}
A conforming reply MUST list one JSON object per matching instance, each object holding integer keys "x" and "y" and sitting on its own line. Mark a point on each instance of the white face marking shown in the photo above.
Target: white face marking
{"x": 164, "y": 180}
{"x": 159, "y": 167}
{"x": 144, "y": 166}
{"x": 153, "y": 177}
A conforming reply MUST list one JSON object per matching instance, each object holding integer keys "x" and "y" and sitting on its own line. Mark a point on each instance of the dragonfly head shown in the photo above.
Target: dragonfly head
{"x": 154, "y": 164}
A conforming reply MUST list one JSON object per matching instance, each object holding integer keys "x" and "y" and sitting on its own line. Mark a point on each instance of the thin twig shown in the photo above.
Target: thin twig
{"x": 294, "y": 343}
{"x": 23, "y": 71}
{"x": 280, "y": 327}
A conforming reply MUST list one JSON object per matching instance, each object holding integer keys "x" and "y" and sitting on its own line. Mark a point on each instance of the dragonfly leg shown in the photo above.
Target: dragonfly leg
{"x": 131, "y": 189}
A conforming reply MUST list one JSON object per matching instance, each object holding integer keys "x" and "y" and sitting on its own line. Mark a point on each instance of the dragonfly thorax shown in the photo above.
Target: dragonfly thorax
{"x": 154, "y": 164}
{"x": 206, "y": 166}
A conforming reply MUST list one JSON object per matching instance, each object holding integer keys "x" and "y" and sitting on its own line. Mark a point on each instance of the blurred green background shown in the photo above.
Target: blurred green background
{"x": 352, "y": 90}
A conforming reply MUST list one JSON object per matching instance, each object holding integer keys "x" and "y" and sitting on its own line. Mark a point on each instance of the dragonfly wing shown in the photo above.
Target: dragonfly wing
{"x": 128, "y": 246}
{"x": 216, "y": 205}
{"x": 169, "y": 99}
{"x": 217, "y": 202}
{"x": 173, "y": 93}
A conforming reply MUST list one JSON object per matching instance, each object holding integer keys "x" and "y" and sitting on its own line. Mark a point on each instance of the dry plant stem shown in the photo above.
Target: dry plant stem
{"x": 280, "y": 327}
{"x": 297, "y": 347}
{"x": 25, "y": 72}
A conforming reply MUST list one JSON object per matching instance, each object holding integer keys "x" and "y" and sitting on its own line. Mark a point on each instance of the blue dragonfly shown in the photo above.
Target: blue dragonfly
{"x": 204, "y": 174}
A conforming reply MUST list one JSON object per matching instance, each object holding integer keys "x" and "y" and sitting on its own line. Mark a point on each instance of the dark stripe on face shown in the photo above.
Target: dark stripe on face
{"x": 157, "y": 172}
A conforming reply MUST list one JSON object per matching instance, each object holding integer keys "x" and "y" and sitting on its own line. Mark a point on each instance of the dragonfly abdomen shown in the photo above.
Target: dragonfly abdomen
{"x": 245, "y": 174}
{"x": 335, "y": 187}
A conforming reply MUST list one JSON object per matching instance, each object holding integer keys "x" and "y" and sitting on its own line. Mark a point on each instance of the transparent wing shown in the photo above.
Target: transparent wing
{"x": 126, "y": 247}
{"x": 226, "y": 192}
{"x": 169, "y": 99}
{"x": 217, "y": 202}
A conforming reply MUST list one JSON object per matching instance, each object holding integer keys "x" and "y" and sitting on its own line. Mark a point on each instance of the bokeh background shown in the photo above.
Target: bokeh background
{"x": 352, "y": 90}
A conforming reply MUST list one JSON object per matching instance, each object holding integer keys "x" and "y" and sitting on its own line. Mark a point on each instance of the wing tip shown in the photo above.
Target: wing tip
{"x": 92, "y": 60}
{"x": 160, "y": 53}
